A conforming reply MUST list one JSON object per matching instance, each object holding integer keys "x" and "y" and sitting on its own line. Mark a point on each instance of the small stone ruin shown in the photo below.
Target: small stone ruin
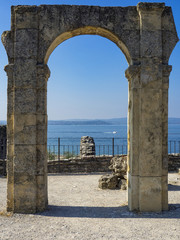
{"x": 118, "y": 178}
{"x": 87, "y": 147}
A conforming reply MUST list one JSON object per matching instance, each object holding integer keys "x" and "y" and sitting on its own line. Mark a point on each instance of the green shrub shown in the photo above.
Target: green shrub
{"x": 51, "y": 155}
{"x": 68, "y": 155}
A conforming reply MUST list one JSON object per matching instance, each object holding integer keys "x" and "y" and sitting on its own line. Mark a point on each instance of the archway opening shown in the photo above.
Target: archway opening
{"x": 88, "y": 87}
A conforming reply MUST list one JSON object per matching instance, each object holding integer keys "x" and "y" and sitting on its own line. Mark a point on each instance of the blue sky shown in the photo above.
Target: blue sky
{"x": 87, "y": 72}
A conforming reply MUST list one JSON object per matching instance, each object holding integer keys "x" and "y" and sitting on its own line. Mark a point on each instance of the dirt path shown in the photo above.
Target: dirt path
{"x": 79, "y": 210}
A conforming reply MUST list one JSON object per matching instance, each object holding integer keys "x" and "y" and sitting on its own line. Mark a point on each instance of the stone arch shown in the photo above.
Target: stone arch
{"x": 88, "y": 30}
{"x": 146, "y": 34}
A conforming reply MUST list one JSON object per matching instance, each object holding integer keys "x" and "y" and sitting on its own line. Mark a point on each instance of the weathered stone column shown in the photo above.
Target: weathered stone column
{"x": 166, "y": 70}
{"x": 148, "y": 118}
{"x": 133, "y": 76}
{"x": 10, "y": 137}
{"x": 27, "y": 117}
{"x": 43, "y": 74}
{"x": 25, "y": 108}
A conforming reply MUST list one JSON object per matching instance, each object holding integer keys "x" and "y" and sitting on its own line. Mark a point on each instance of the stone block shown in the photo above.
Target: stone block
{"x": 41, "y": 127}
{"x": 150, "y": 152}
{"x": 165, "y": 147}
{"x": 41, "y": 153}
{"x": 26, "y": 17}
{"x": 27, "y": 135}
{"x": 10, "y": 178}
{"x": 25, "y": 101}
{"x": 165, "y": 106}
{"x": 150, "y": 160}
{"x": 150, "y": 15}
{"x": 10, "y": 128}
{"x": 25, "y": 159}
{"x": 165, "y": 163}
{"x": 10, "y": 155}
{"x": 43, "y": 73}
{"x": 151, "y": 44}
{"x": 151, "y": 74}
{"x": 151, "y": 22}
{"x": 42, "y": 101}
{"x": 10, "y": 196}
{"x": 129, "y": 18}
{"x": 26, "y": 43}
{"x": 133, "y": 192}
{"x": 25, "y": 129}
{"x": 42, "y": 199}
{"x": 10, "y": 100}
{"x": 151, "y": 106}
{"x": 165, "y": 192}
{"x": 41, "y": 81}
{"x": 25, "y": 74}
{"x": 130, "y": 52}
{"x": 150, "y": 194}
{"x": 25, "y": 193}
{"x": 169, "y": 40}
{"x": 134, "y": 132}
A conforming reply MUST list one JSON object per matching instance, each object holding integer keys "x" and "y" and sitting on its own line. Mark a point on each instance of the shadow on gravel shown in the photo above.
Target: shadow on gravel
{"x": 172, "y": 187}
{"x": 76, "y": 174}
{"x": 107, "y": 212}
{"x": 3, "y": 176}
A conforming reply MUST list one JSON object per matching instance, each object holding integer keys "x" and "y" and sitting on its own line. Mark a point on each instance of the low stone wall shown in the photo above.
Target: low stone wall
{"x": 88, "y": 164}
{"x": 97, "y": 164}
{"x": 93, "y": 164}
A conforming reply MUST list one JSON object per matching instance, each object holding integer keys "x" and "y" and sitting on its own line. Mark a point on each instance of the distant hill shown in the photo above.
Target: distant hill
{"x": 117, "y": 121}
{"x": 78, "y": 122}
{"x": 113, "y": 121}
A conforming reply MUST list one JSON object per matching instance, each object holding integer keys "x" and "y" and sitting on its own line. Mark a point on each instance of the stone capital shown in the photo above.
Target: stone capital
{"x": 166, "y": 70}
{"x": 43, "y": 71}
{"x": 9, "y": 70}
{"x": 132, "y": 73}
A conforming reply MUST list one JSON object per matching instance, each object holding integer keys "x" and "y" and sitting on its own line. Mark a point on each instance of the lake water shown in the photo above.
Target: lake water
{"x": 103, "y": 135}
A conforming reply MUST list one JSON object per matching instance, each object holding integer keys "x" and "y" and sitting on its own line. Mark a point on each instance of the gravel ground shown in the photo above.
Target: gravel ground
{"x": 79, "y": 210}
